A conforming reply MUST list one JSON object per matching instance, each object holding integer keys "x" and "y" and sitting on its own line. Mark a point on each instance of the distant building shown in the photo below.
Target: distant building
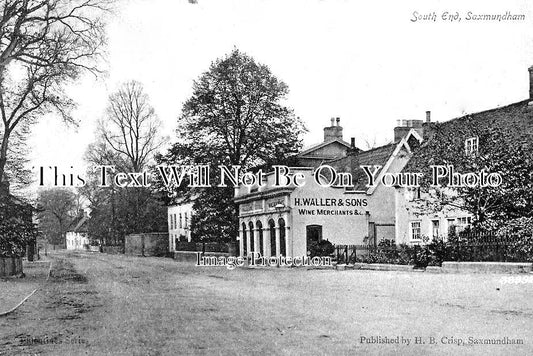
{"x": 77, "y": 237}
{"x": 179, "y": 221}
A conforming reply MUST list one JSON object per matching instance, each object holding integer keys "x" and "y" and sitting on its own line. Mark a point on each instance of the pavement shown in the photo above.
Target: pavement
{"x": 98, "y": 304}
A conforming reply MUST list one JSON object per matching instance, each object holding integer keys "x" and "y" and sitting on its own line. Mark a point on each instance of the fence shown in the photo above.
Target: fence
{"x": 349, "y": 254}
{"x": 230, "y": 247}
{"x": 466, "y": 247}
{"x": 489, "y": 247}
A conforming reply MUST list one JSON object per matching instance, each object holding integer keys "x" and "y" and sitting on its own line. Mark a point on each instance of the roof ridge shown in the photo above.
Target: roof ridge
{"x": 485, "y": 111}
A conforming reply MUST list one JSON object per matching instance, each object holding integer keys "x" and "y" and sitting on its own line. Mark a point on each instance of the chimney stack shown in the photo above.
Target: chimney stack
{"x": 428, "y": 116}
{"x": 333, "y": 132}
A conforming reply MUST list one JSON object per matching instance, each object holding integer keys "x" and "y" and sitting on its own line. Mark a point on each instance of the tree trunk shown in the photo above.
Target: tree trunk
{"x": 3, "y": 162}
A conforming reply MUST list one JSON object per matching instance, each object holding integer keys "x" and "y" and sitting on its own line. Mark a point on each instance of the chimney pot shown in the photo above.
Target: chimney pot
{"x": 338, "y": 120}
{"x": 332, "y": 121}
{"x": 353, "y": 142}
{"x": 428, "y": 116}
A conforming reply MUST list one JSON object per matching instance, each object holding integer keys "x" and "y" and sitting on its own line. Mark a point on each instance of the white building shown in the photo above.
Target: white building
{"x": 286, "y": 220}
{"x": 77, "y": 237}
{"x": 179, "y": 222}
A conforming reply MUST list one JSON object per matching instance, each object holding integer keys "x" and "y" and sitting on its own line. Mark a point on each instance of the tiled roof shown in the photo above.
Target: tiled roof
{"x": 352, "y": 162}
{"x": 79, "y": 224}
{"x": 513, "y": 122}
{"x": 315, "y": 147}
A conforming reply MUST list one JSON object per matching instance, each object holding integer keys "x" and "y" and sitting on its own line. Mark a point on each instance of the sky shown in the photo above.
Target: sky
{"x": 366, "y": 62}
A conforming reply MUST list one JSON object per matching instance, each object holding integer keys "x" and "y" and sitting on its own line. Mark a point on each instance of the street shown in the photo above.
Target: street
{"x": 98, "y": 304}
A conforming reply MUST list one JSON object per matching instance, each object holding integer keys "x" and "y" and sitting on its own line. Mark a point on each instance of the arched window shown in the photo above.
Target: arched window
{"x": 244, "y": 239}
{"x": 282, "y": 245}
{"x": 272, "y": 229}
{"x": 251, "y": 232}
{"x": 259, "y": 226}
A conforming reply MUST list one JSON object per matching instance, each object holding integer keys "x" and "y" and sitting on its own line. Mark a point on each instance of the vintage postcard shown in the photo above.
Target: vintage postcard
{"x": 251, "y": 177}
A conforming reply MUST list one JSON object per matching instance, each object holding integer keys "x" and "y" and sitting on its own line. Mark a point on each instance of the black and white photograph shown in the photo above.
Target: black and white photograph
{"x": 266, "y": 177}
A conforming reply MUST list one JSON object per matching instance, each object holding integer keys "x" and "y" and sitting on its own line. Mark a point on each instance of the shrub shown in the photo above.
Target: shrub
{"x": 321, "y": 248}
{"x": 16, "y": 226}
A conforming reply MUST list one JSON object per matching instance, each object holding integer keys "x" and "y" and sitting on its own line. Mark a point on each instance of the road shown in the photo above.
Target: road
{"x": 98, "y": 304}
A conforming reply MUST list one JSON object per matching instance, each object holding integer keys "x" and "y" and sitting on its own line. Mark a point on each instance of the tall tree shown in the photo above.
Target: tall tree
{"x": 128, "y": 137}
{"x": 237, "y": 115}
{"x": 131, "y": 126}
{"x": 44, "y": 44}
{"x": 57, "y": 208}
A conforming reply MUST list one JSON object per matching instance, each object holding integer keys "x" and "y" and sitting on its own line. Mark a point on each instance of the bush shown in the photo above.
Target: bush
{"x": 389, "y": 253}
{"x": 16, "y": 226}
{"x": 321, "y": 248}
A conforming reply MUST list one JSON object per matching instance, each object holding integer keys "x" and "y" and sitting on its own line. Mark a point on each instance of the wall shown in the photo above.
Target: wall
{"x": 147, "y": 244}
{"x": 113, "y": 250}
{"x": 10, "y": 266}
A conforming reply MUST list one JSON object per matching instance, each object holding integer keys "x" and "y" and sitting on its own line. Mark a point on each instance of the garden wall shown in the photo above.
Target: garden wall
{"x": 10, "y": 266}
{"x": 147, "y": 244}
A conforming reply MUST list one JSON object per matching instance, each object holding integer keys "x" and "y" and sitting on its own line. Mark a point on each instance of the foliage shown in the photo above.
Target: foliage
{"x": 504, "y": 147}
{"x": 116, "y": 212}
{"x": 131, "y": 127}
{"x": 321, "y": 248}
{"x": 16, "y": 226}
{"x": 235, "y": 116}
{"x": 44, "y": 45}
{"x": 512, "y": 243}
{"x": 57, "y": 207}
{"x": 127, "y": 139}
{"x": 390, "y": 253}
{"x": 215, "y": 215}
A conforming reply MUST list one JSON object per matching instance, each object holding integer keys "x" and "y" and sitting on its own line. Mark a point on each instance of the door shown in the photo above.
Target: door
{"x": 314, "y": 235}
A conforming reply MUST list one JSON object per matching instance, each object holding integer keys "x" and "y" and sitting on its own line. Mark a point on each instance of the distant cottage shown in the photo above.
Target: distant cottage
{"x": 77, "y": 236}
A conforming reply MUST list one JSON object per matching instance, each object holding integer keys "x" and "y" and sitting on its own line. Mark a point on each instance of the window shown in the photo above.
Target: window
{"x": 435, "y": 227}
{"x": 186, "y": 221}
{"x": 463, "y": 222}
{"x": 471, "y": 146}
{"x": 415, "y": 230}
{"x": 181, "y": 225}
{"x": 170, "y": 221}
{"x": 451, "y": 226}
{"x": 175, "y": 225}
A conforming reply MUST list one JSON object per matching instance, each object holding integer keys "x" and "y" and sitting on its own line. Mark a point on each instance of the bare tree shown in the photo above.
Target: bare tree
{"x": 44, "y": 44}
{"x": 131, "y": 126}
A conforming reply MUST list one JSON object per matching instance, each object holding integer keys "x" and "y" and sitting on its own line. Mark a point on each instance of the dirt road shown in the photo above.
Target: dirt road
{"x": 97, "y": 304}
